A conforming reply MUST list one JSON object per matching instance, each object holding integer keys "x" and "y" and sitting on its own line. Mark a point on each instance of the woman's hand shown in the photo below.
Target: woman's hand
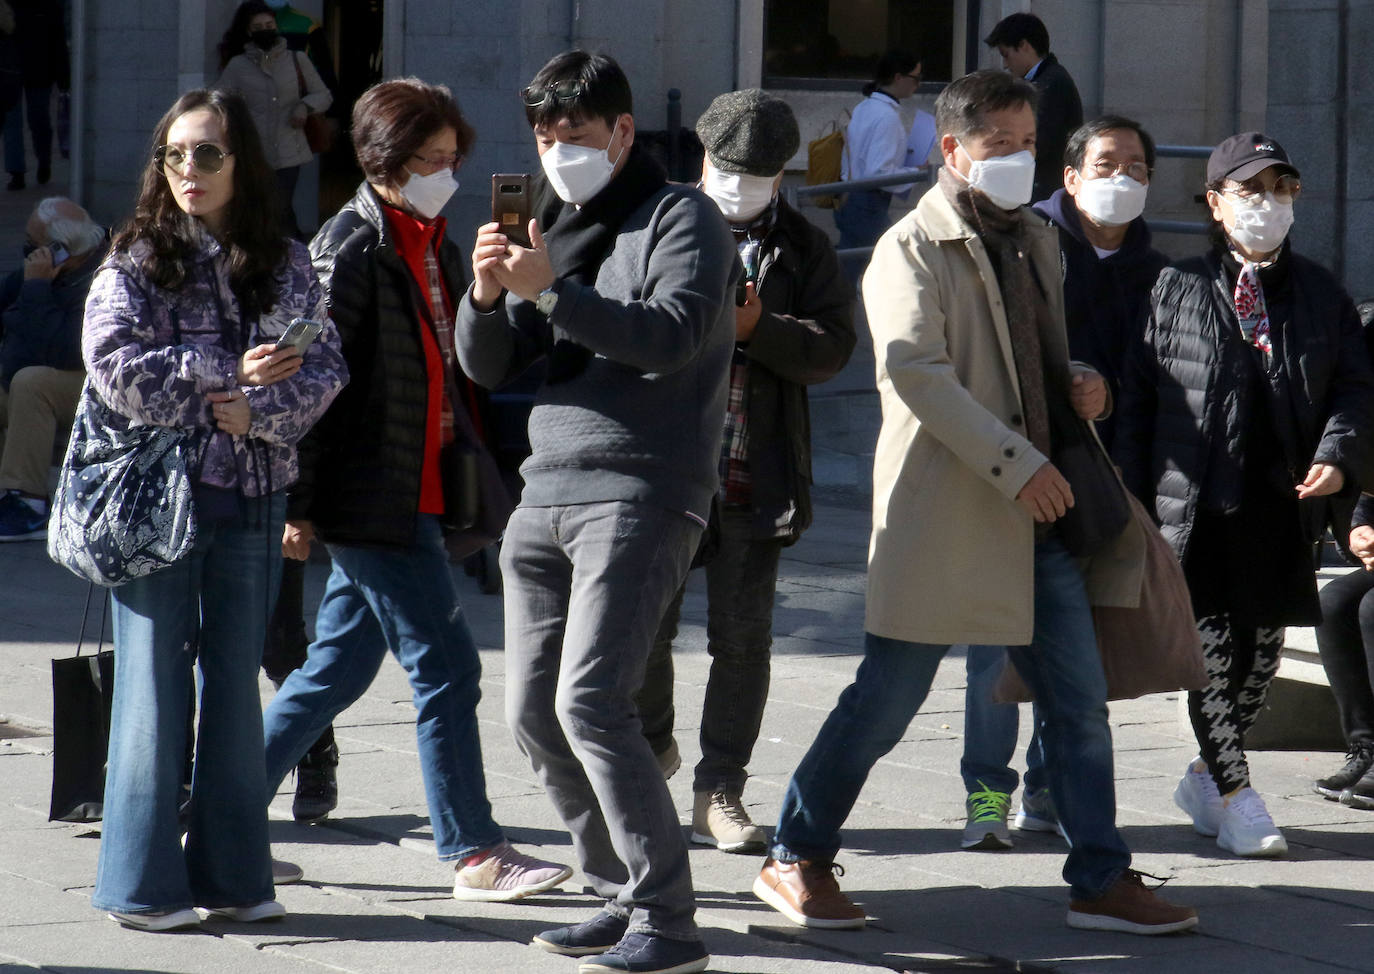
{"x": 1322, "y": 479}
{"x": 265, "y": 364}
{"x": 231, "y": 410}
{"x": 296, "y": 538}
{"x": 298, "y": 115}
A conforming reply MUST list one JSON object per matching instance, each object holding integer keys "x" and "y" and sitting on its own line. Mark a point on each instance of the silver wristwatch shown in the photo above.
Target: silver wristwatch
{"x": 546, "y": 300}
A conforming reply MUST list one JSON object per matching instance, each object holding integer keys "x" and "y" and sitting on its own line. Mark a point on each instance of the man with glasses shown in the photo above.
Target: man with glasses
{"x": 1109, "y": 269}
{"x": 627, "y": 290}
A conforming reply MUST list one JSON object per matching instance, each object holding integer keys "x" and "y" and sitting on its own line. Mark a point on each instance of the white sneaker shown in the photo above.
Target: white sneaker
{"x": 1197, "y": 795}
{"x": 1246, "y": 828}
{"x": 158, "y": 921}
{"x": 266, "y": 910}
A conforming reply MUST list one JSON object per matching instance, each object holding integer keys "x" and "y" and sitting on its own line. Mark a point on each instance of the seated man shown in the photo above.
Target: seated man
{"x": 40, "y": 356}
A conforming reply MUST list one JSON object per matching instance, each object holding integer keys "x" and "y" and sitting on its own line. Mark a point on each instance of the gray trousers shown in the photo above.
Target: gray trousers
{"x": 586, "y": 586}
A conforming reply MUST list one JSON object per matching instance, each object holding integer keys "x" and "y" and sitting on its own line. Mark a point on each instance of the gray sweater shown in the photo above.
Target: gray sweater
{"x": 643, "y": 421}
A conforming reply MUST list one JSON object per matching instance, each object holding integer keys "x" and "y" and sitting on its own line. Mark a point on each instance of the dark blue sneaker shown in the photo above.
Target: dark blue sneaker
{"x": 19, "y": 521}
{"x": 594, "y": 936}
{"x": 643, "y": 953}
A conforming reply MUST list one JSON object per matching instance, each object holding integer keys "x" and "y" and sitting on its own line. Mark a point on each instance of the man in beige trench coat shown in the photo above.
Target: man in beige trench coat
{"x": 965, "y": 303}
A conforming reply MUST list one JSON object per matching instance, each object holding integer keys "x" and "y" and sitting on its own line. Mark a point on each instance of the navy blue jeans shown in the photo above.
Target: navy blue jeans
{"x": 1063, "y": 670}
{"x": 208, "y": 610}
{"x": 402, "y": 600}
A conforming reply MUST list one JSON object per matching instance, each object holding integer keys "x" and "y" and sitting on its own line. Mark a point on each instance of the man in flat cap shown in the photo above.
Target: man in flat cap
{"x": 793, "y": 327}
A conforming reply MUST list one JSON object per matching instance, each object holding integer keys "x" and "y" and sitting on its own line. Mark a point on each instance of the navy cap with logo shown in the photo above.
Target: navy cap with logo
{"x": 1243, "y": 155}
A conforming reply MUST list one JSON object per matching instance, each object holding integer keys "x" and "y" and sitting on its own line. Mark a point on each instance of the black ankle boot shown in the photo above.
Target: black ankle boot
{"x": 317, "y": 786}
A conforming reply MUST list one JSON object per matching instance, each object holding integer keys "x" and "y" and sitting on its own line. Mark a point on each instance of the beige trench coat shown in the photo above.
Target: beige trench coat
{"x": 951, "y": 555}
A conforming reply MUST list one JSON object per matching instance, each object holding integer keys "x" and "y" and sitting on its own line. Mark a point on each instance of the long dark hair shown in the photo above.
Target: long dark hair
{"x": 236, "y": 36}
{"x": 251, "y": 238}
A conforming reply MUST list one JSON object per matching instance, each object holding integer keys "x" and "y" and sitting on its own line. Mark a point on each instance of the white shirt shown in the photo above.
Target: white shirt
{"x": 875, "y": 141}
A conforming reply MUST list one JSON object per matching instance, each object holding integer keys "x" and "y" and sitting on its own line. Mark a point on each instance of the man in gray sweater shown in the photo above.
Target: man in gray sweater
{"x": 624, "y": 292}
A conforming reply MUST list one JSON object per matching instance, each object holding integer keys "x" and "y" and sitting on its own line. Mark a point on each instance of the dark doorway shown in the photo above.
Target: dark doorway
{"x": 353, "y": 29}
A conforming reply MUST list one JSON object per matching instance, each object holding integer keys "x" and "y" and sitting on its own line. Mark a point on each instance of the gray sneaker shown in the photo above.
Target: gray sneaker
{"x": 986, "y": 827}
{"x": 719, "y": 819}
{"x": 506, "y": 874}
{"x": 1037, "y": 813}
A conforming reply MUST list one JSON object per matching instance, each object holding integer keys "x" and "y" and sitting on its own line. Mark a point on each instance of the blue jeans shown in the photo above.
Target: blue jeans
{"x": 991, "y": 729}
{"x": 1064, "y": 672}
{"x": 586, "y": 587}
{"x": 402, "y": 600}
{"x": 37, "y": 103}
{"x": 741, "y": 583}
{"x": 209, "y": 609}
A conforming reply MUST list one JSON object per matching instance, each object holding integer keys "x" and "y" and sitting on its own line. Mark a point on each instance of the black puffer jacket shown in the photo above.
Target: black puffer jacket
{"x": 1181, "y": 414}
{"x": 804, "y": 336}
{"x": 361, "y": 464}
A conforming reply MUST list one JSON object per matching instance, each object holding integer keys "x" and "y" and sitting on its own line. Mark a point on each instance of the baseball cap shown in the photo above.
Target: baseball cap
{"x": 1243, "y": 155}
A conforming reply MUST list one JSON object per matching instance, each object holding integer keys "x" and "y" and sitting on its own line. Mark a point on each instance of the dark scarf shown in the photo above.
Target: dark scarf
{"x": 579, "y": 238}
{"x": 1003, "y": 233}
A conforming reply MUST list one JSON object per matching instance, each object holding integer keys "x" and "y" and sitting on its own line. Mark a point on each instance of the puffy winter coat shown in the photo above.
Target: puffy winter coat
{"x": 1181, "y": 414}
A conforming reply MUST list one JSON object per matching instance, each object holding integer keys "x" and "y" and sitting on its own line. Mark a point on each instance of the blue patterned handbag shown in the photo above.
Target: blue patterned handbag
{"x": 124, "y": 506}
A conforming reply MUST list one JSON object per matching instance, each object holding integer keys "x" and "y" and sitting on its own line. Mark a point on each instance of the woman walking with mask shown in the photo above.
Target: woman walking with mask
{"x": 376, "y": 489}
{"x": 281, "y": 89}
{"x": 1250, "y": 399}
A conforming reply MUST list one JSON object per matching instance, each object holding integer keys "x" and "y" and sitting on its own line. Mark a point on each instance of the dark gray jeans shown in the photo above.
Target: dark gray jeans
{"x": 586, "y": 587}
{"x": 741, "y": 583}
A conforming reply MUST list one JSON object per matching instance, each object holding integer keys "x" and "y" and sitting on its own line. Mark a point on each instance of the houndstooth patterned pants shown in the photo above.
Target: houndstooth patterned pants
{"x": 1241, "y": 662}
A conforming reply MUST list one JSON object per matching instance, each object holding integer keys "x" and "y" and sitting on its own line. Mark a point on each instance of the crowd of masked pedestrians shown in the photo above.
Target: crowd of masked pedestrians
{"x": 1053, "y": 390}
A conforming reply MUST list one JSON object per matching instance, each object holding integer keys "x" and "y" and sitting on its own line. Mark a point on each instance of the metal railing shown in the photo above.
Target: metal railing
{"x": 922, "y": 174}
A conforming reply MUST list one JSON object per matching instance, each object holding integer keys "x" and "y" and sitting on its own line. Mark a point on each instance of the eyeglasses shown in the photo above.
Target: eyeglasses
{"x": 1286, "y": 189}
{"x": 1106, "y": 169}
{"x": 915, "y": 76}
{"x": 565, "y": 90}
{"x": 449, "y": 160}
{"x": 207, "y": 157}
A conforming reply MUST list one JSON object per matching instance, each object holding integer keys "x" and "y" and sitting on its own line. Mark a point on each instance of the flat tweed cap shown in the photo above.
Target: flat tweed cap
{"x": 749, "y": 131}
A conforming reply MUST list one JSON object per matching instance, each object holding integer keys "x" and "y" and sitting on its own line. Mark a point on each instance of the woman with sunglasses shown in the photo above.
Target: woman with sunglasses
{"x": 181, "y": 327}
{"x": 875, "y": 145}
{"x": 376, "y": 488}
{"x": 1247, "y": 408}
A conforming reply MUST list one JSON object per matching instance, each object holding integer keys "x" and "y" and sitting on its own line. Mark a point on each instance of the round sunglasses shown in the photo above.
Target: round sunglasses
{"x": 207, "y": 157}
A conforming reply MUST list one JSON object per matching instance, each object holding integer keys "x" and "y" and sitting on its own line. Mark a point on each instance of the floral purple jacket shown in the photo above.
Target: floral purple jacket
{"x": 132, "y": 363}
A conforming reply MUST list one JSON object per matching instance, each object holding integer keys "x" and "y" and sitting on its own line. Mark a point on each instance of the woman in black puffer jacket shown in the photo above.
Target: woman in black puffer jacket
{"x": 1250, "y": 399}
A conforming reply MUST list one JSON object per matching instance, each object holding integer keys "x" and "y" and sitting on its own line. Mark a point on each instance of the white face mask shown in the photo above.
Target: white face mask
{"x": 1261, "y": 224}
{"x": 1006, "y": 180}
{"x": 1111, "y": 202}
{"x": 578, "y": 172}
{"x": 741, "y": 197}
{"x": 428, "y": 194}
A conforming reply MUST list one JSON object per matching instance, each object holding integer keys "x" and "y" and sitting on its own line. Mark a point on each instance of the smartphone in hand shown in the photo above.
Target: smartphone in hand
{"x": 59, "y": 254}
{"x": 299, "y": 334}
{"x": 510, "y": 205}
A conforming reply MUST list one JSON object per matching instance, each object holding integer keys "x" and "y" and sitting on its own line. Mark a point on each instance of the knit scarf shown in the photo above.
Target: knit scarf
{"x": 1003, "y": 233}
{"x": 579, "y": 238}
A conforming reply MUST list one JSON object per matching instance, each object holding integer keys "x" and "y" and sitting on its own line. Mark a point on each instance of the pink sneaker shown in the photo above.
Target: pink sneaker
{"x": 506, "y": 874}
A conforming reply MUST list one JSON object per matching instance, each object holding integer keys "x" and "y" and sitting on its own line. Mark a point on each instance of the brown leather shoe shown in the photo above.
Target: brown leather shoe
{"x": 807, "y": 894}
{"x": 1129, "y": 907}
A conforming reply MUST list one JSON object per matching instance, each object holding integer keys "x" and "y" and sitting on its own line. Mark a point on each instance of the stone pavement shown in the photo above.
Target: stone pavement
{"x": 375, "y": 900}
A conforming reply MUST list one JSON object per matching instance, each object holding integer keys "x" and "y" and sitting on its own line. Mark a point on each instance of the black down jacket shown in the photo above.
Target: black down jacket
{"x": 361, "y": 464}
{"x": 1181, "y": 396}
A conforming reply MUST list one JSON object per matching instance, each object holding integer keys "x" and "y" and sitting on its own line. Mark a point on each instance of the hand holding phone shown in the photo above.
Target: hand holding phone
{"x": 299, "y": 334}
{"x": 510, "y": 205}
